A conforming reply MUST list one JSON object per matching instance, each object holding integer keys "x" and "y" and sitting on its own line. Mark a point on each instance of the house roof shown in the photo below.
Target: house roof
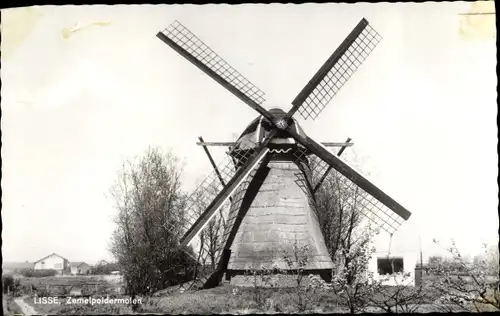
{"x": 77, "y": 264}
{"x": 102, "y": 262}
{"x": 52, "y": 254}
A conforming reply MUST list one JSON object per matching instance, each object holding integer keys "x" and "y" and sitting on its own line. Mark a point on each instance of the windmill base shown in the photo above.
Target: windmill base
{"x": 244, "y": 279}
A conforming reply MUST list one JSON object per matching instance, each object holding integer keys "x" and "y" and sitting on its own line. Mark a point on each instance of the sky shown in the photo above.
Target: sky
{"x": 85, "y": 87}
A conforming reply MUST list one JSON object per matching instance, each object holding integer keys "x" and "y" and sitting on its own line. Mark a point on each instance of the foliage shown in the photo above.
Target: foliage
{"x": 358, "y": 288}
{"x": 403, "y": 297}
{"x": 354, "y": 283}
{"x": 303, "y": 287}
{"x": 150, "y": 222}
{"x": 7, "y": 282}
{"x": 476, "y": 288}
{"x": 233, "y": 300}
{"x": 32, "y": 273}
{"x": 105, "y": 269}
{"x": 339, "y": 218}
{"x": 261, "y": 279}
{"x": 297, "y": 262}
{"x": 340, "y": 215}
{"x": 210, "y": 238}
{"x": 11, "y": 285}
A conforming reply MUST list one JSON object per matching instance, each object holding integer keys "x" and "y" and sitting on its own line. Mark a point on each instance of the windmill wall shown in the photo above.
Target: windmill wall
{"x": 278, "y": 221}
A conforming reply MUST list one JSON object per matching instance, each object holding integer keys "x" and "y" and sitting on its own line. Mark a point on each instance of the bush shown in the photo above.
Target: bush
{"x": 105, "y": 269}
{"x": 11, "y": 285}
{"x": 31, "y": 273}
{"x": 7, "y": 282}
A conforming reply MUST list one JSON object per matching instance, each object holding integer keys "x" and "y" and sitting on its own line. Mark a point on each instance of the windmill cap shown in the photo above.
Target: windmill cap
{"x": 260, "y": 127}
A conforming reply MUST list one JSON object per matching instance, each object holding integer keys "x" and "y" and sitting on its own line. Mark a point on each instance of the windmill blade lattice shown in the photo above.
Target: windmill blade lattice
{"x": 210, "y": 187}
{"x": 336, "y": 71}
{"x": 194, "y": 47}
{"x": 370, "y": 207}
{"x": 234, "y": 211}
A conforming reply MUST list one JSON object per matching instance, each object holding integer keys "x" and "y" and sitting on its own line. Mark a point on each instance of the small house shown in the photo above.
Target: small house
{"x": 53, "y": 262}
{"x": 79, "y": 268}
{"x": 394, "y": 258}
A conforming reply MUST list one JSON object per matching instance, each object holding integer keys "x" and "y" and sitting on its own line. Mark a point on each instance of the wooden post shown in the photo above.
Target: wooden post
{"x": 418, "y": 275}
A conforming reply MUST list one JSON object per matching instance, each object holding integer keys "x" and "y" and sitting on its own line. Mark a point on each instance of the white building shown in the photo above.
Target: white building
{"x": 397, "y": 254}
{"x": 79, "y": 268}
{"x": 53, "y": 262}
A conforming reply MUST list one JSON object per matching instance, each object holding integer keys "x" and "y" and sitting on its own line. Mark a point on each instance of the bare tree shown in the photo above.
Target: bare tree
{"x": 214, "y": 232}
{"x": 354, "y": 284}
{"x": 296, "y": 263}
{"x": 210, "y": 238}
{"x": 340, "y": 220}
{"x": 401, "y": 297}
{"x": 149, "y": 222}
{"x": 346, "y": 237}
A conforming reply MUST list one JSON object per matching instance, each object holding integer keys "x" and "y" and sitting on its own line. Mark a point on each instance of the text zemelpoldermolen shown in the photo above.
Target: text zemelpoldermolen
{"x": 85, "y": 300}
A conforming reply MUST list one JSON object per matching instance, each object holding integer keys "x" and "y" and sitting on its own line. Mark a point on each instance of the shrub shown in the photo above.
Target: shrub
{"x": 31, "y": 273}
{"x": 59, "y": 290}
{"x": 7, "y": 282}
{"x": 105, "y": 268}
{"x": 12, "y": 285}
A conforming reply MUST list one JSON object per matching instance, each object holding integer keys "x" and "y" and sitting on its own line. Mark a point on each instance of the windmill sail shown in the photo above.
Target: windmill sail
{"x": 179, "y": 38}
{"x": 382, "y": 209}
{"x": 335, "y": 72}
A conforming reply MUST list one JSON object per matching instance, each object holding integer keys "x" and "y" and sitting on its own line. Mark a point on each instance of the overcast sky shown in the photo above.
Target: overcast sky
{"x": 84, "y": 87}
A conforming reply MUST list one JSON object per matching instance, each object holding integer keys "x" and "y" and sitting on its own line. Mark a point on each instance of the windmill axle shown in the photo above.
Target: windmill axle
{"x": 281, "y": 124}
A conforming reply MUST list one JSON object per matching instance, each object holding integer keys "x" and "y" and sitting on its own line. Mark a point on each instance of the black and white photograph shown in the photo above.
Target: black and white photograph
{"x": 251, "y": 158}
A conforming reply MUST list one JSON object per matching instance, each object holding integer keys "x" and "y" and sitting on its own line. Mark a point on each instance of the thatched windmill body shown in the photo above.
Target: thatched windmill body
{"x": 274, "y": 168}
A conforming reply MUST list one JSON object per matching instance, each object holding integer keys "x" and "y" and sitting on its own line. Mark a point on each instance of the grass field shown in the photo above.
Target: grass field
{"x": 222, "y": 299}
{"x": 273, "y": 300}
{"x": 218, "y": 300}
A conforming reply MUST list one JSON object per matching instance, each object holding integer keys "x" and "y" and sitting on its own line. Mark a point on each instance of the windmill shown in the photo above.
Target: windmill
{"x": 273, "y": 169}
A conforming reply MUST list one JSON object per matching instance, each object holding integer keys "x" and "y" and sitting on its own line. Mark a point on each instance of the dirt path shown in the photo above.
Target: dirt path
{"x": 25, "y": 307}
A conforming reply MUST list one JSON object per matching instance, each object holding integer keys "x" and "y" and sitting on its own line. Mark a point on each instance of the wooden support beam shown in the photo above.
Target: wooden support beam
{"x": 212, "y": 162}
{"x": 202, "y": 143}
{"x": 330, "y": 167}
{"x": 228, "y": 144}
